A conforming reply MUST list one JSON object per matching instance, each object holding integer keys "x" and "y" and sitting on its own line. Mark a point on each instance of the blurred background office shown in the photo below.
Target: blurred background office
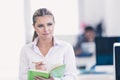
{"x": 71, "y": 17}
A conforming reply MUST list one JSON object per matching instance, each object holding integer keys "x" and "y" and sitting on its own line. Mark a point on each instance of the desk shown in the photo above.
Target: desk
{"x": 95, "y": 77}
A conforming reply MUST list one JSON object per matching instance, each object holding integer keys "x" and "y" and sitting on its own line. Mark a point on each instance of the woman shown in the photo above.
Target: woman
{"x": 46, "y": 50}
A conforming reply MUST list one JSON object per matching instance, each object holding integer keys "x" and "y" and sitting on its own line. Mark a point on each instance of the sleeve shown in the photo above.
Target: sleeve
{"x": 23, "y": 65}
{"x": 79, "y": 42}
{"x": 69, "y": 60}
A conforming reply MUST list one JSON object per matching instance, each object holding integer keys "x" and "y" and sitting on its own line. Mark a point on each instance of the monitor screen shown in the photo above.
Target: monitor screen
{"x": 104, "y": 50}
{"x": 117, "y": 62}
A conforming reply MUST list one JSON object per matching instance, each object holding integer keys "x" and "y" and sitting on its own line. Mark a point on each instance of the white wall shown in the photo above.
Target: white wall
{"x": 112, "y": 17}
{"x": 12, "y": 37}
{"x": 92, "y": 11}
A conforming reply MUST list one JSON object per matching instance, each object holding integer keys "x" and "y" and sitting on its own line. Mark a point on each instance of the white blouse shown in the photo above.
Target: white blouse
{"x": 61, "y": 52}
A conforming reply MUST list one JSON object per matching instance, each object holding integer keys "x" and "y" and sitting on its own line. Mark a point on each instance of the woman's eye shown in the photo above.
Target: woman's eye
{"x": 40, "y": 25}
{"x": 49, "y": 24}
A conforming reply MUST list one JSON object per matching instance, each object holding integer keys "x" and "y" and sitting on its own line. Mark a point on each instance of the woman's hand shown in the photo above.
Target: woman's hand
{"x": 40, "y": 65}
{"x": 40, "y": 78}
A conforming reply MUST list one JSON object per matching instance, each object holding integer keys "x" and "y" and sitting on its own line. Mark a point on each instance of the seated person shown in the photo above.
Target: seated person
{"x": 85, "y": 44}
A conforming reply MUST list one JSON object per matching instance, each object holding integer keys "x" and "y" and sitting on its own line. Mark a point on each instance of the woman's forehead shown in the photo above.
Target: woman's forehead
{"x": 42, "y": 18}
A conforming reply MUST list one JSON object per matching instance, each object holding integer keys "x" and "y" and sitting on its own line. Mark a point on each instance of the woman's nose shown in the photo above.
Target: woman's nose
{"x": 45, "y": 28}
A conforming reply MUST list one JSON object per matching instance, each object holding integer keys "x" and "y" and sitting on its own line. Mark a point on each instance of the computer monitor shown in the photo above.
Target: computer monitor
{"x": 104, "y": 50}
{"x": 116, "y": 51}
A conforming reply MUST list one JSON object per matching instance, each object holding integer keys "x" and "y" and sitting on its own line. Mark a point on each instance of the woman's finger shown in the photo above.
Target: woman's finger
{"x": 36, "y": 78}
{"x": 38, "y": 63}
{"x": 40, "y": 66}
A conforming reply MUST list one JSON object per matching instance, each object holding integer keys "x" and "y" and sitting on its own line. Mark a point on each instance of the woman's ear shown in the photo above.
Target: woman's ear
{"x": 35, "y": 29}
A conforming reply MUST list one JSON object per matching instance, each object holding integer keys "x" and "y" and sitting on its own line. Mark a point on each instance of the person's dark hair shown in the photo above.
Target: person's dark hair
{"x": 89, "y": 28}
{"x": 40, "y": 12}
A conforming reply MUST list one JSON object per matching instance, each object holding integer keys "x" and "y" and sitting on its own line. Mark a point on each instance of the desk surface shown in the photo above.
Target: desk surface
{"x": 95, "y": 77}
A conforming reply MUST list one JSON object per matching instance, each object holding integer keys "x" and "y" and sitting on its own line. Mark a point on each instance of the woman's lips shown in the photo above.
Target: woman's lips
{"x": 46, "y": 34}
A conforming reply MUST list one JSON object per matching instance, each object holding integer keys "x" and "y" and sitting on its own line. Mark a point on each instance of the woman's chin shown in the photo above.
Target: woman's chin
{"x": 47, "y": 37}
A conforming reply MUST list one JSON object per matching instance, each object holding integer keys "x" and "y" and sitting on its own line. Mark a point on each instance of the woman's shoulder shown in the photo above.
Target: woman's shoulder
{"x": 27, "y": 46}
{"x": 64, "y": 43}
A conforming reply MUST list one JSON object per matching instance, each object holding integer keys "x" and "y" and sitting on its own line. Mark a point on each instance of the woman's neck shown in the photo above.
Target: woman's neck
{"x": 45, "y": 43}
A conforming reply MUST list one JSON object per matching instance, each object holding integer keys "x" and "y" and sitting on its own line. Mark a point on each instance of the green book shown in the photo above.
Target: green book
{"x": 56, "y": 71}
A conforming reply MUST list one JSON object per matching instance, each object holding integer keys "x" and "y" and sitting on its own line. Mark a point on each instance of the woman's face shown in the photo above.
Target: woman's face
{"x": 44, "y": 26}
